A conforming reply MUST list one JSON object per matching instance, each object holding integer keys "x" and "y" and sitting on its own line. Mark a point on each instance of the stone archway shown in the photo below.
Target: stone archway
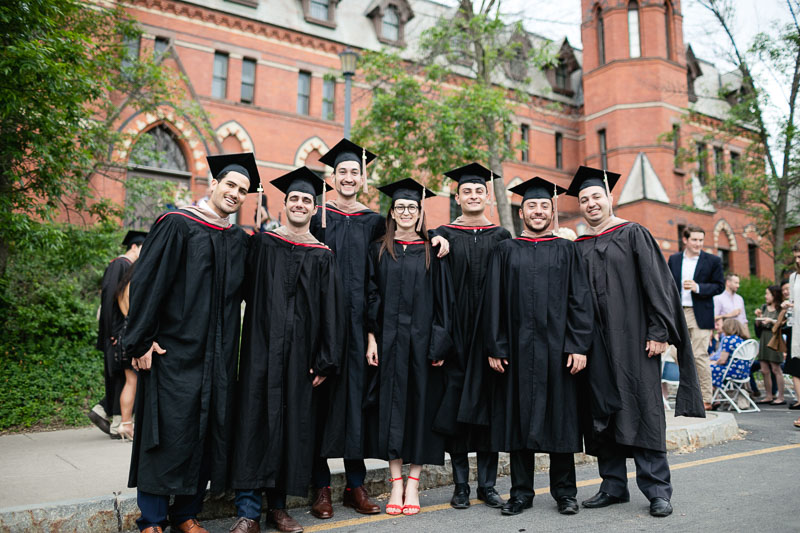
{"x": 308, "y": 146}
{"x": 723, "y": 226}
{"x": 233, "y": 128}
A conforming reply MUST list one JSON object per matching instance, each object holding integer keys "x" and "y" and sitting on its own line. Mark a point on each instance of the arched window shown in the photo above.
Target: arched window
{"x": 601, "y": 38}
{"x": 390, "y": 24}
{"x": 158, "y": 178}
{"x": 158, "y": 148}
{"x": 634, "y": 43}
{"x": 668, "y": 27}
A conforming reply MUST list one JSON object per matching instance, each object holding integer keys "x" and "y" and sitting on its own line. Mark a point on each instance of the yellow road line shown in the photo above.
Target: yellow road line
{"x": 546, "y": 490}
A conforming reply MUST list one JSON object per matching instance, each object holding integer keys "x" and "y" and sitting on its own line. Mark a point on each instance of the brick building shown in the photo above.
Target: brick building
{"x": 267, "y": 74}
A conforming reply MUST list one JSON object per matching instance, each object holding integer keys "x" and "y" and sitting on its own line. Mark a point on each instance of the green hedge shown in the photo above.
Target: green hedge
{"x": 50, "y": 372}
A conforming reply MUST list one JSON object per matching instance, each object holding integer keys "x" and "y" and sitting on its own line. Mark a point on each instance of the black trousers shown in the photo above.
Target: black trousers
{"x": 487, "y": 468}
{"x": 562, "y": 475}
{"x": 652, "y": 471}
{"x": 355, "y": 470}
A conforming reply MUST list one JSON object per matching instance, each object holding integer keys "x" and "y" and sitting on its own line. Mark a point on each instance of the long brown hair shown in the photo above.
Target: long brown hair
{"x": 387, "y": 241}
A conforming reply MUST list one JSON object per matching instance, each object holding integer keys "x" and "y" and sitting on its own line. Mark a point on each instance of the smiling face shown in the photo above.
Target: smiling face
{"x": 694, "y": 243}
{"x": 536, "y": 214}
{"x": 405, "y": 213}
{"x": 594, "y": 205}
{"x": 472, "y": 198}
{"x": 300, "y": 207}
{"x": 347, "y": 178}
{"x": 228, "y": 194}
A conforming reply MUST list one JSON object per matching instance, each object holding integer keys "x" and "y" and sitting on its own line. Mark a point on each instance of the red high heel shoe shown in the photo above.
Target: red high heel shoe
{"x": 392, "y": 509}
{"x": 409, "y": 510}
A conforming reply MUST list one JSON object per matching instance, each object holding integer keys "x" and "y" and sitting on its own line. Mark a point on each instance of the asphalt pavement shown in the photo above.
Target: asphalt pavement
{"x": 750, "y": 484}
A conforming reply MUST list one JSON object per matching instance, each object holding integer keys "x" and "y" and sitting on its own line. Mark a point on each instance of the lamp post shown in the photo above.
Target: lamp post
{"x": 349, "y": 59}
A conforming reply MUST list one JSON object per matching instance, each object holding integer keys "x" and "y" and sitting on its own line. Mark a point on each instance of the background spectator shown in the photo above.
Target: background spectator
{"x": 770, "y": 360}
{"x": 729, "y": 304}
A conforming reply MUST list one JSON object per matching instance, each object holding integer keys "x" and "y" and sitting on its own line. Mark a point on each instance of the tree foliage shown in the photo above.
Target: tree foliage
{"x": 766, "y": 181}
{"x": 69, "y": 72}
{"x": 448, "y": 108}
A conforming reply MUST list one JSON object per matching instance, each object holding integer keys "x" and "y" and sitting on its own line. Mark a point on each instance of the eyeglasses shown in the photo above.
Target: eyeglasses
{"x": 410, "y": 209}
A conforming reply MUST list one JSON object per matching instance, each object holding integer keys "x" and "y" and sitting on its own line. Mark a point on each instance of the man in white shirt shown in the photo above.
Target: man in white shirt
{"x": 699, "y": 278}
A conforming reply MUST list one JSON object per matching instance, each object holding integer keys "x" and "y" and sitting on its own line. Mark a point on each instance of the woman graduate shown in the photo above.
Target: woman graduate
{"x": 408, "y": 321}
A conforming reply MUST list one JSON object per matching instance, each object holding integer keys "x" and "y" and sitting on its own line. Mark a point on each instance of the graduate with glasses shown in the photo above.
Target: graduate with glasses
{"x": 409, "y": 317}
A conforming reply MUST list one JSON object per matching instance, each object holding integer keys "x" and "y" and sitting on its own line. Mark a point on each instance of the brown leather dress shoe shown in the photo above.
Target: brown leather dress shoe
{"x": 322, "y": 507}
{"x": 152, "y": 529}
{"x": 281, "y": 520}
{"x": 358, "y": 499}
{"x": 190, "y": 526}
{"x": 245, "y": 525}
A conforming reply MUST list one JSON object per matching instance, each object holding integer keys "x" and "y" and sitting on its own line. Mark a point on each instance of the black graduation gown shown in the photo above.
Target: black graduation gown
{"x": 410, "y": 314}
{"x": 470, "y": 249}
{"x": 538, "y": 310}
{"x": 349, "y": 236}
{"x": 637, "y": 300}
{"x": 291, "y": 324}
{"x": 186, "y": 295}
{"x": 111, "y": 319}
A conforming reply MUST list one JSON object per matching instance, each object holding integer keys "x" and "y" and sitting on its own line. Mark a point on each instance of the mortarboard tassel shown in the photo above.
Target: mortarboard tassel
{"x": 258, "y": 208}
{"x": 364, "y": 168}
{"x": 324, "y": 202}
{"x": 421, "y": 211}
{"x": 555, "y": 207}
{"x": 608, "y": 194}
{"x": 489, "y": 197}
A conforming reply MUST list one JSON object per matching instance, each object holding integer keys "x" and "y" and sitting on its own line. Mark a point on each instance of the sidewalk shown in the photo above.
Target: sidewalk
{"x": 76, "y": 479}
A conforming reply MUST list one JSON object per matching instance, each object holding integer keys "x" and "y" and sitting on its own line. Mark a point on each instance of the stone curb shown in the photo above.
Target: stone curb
{"x": 116, "y": 512}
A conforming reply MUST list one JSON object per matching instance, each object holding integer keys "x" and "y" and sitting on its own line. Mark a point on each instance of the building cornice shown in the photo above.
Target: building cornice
{"x": 237, "y": 23}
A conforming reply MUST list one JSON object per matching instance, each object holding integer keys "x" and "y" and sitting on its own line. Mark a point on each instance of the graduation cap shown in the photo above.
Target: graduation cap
{"x": 540, "y": 188}
{"x": 346, "y": 150}
{"x": 593, "y": 177}
{"x": 304, "y": 180}
{"x": 409, "y": 189}
{"x": 134, "y": 237}
{"x": 244, "y": 163}
{"x": 474, "y": 173}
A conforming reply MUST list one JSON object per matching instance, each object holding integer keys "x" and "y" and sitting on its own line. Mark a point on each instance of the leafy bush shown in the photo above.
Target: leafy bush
{"x": 751, "y": 289}
{"x": 50, "y": 372}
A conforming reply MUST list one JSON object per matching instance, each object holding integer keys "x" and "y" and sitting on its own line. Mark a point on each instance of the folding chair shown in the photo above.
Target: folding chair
{"x": 667, "y": 405}
{"x": 731, "y": 388}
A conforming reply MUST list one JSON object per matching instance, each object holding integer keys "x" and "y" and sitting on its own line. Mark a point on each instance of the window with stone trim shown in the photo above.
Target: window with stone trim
{"x": 559, "y": 150}
{"x": 601, "y": 37}
{"x": 602, "y": 141}
{"x": 668, "y": 27}
{"x": 328, "y": 96}
{"x": 389, "y": 18}
{"x": 322, "y": 12}
{"x": 634, "y": 37}
{"x": 248, "y": 80}
{"x": 303, "y": 92}
{"x": 219, "y": 82}
{"x": 525, "y": 133}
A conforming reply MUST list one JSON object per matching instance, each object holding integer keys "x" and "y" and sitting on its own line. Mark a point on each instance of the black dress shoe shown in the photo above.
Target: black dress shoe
{"x": 660, "y": 507}
{"x": 460, "y": 499}
{"x": 490, "y": 497}
{"x": 516, "y": 505}
{"x": 567, "y": 505}
{"x": 602, "y": 499}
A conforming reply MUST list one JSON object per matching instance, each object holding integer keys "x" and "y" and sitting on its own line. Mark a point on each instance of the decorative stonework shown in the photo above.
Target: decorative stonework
{"x": 750, "y": 233}
{"x": 236, "y": 23}
{"x": 186, "y": 137}
{"x": 237, "y": 130}
{"x": 314, "y": 143}
{"x": 722, "y": 225}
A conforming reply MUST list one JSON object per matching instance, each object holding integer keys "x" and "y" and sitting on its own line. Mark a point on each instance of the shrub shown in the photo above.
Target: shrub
{"x": 50, "y": 372}
{"x": 751, "y": 289}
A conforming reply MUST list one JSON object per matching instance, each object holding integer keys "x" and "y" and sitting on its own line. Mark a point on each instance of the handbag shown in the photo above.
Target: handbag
{"x": 776, "y": 342}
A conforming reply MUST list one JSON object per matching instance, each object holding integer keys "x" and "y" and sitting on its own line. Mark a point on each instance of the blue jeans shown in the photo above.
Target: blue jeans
{"x": 248, "y": 502}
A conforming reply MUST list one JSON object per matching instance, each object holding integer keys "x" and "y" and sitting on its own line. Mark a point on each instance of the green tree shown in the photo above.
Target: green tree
{"x": 69, "y": 73}
{"x": 767, "y": 180}
{"x": 446, "y": 109}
